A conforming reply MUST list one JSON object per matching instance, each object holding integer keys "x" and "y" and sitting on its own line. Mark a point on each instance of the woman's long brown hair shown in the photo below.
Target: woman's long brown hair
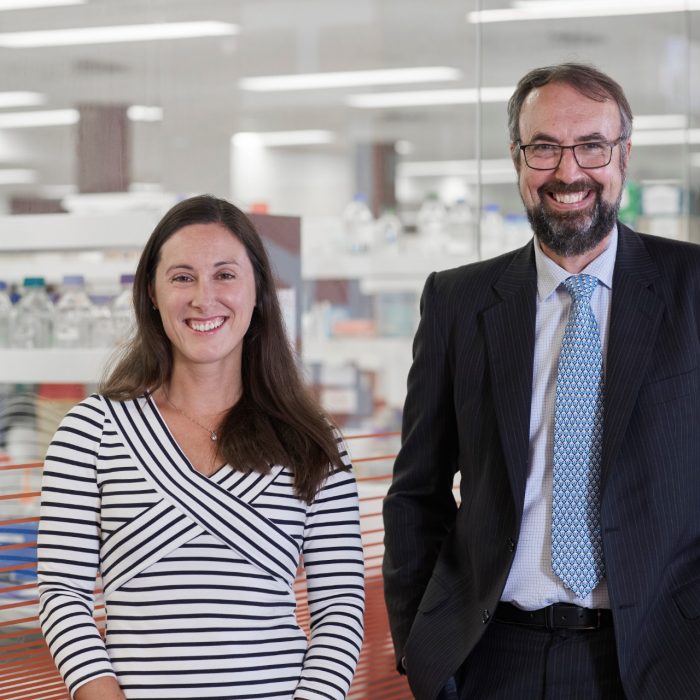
{"x": 276, "y": 421}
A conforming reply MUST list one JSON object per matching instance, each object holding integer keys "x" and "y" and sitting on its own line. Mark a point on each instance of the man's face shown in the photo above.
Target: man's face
{"x": 571, "y": 209}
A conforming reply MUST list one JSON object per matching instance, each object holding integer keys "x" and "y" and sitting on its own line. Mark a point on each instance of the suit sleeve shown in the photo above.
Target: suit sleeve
{"x": 68, "y": 547}
{"x": 334, "y": 567}
{"x": 420, "y": 508}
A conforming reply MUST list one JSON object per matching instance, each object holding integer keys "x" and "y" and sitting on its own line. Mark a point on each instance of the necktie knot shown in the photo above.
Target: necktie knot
{"x": 581, "y": 287}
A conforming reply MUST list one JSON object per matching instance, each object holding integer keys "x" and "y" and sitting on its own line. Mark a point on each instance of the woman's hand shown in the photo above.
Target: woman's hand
{"x": 104, "y": 688}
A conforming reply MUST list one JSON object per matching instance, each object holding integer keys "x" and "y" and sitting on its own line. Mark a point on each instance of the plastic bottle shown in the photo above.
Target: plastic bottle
{"x": 388, "y": 230}
{"x": 123, "y": 319}
{"x": 461, "y": 227}
{"x": 358, "y": 224}
{"x": 102, "y": 322}
{"x": 74, "y": 314}
{"x": 432, "y": 222}
{"x": 32, "y": 316}
{"x": 5, "y": 313}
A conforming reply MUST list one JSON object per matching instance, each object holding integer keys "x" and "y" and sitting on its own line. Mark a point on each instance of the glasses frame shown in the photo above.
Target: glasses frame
{"x": 611, "y": 145}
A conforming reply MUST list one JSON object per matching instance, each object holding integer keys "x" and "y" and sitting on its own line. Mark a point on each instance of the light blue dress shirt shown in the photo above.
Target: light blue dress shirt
{"x": 532, "y": 584}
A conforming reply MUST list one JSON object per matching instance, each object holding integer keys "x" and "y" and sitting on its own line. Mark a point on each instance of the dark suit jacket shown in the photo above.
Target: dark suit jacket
{"x": 468, "y": 409}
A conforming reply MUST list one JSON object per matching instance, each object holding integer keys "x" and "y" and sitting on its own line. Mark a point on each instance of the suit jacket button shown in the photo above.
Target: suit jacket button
{"x": 485, "y": 616}
{"x": 510, "y": 543}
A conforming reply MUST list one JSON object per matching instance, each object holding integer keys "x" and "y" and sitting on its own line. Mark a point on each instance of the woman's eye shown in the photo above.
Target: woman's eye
{"x": 181, "y": 278}
{"x": 227, "y": 276}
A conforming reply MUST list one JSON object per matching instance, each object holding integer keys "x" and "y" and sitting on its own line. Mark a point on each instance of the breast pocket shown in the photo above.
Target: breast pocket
{"x": 670, "y": 388}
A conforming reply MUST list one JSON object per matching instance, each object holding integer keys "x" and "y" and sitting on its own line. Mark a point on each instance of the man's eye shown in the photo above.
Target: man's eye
{"x": 543, "y": 149}
{"x": 594, "y": 147}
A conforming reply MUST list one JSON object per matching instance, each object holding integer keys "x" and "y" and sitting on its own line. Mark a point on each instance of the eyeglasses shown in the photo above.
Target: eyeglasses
{"x": 547, "y": 156}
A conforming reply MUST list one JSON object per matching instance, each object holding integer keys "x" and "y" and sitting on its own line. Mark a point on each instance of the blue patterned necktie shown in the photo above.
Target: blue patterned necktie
{"x": 577, "y": 548}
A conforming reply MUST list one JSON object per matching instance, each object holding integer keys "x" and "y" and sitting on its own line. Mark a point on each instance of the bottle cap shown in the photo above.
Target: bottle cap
{"x": 34, "y": 282}
{"x": 126, "y": 279}
{"x": 73, "y": 280}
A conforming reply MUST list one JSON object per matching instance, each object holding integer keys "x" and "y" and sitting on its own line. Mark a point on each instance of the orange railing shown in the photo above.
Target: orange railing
{"x": 27, "y": 671}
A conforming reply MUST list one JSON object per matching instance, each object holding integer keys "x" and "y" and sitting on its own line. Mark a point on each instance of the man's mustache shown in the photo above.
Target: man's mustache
{"x": 558, "y": 187}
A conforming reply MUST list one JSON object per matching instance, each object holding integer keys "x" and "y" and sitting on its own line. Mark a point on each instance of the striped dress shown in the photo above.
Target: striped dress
{"x": 197, "y": 571}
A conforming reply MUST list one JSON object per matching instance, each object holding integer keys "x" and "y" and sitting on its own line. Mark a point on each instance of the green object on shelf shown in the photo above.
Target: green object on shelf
{"x": 631, "y": 204}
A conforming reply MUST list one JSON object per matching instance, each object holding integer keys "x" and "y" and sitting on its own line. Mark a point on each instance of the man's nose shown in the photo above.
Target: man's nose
{"x": 568, "y": 169}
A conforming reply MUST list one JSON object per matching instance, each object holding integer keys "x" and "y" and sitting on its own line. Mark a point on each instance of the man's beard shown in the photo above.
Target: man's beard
{"x": 577, "y": 232}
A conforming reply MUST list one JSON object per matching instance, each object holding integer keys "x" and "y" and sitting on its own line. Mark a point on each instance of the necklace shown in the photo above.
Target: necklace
{"x": 212, "y": 433}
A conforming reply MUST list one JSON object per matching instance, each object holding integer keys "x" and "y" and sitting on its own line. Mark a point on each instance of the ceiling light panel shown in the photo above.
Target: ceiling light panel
{"x": 32, "y": 4}
{"x": 21, "y": 99}
{"x": 571, "y": 9}
{"x": 144, "y": 113}
{"x": 302, "y": 137}
{"x": 643, "y": 122}
{"x": 48, "y": 117}
{"x": 430, "y": 98}
{"x": 115, "y": 34}
{"x": 342, "y": 79}
{"x": 665, "y": 137}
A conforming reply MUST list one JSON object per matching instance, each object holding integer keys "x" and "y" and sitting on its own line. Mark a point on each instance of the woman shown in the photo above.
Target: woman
{"x": 193, "y": 483}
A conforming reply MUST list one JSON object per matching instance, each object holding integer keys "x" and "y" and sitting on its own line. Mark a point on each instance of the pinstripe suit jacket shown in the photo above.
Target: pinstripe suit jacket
{"x": 468, "y": 409}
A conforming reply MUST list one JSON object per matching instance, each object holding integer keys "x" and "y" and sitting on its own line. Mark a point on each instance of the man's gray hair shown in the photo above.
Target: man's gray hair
{"x": 589, "y": 81}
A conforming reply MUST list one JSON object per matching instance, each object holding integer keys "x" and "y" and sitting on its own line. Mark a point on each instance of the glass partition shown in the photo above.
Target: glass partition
{"x": 380, "y": 124}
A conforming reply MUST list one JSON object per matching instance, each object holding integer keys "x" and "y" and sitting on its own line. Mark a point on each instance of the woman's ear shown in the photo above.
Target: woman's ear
{"x": 152, "y": 297}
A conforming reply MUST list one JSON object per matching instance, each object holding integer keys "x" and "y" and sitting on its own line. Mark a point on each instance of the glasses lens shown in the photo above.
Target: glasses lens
{"x": 592, "y": 155}
{"x": 542, "y": 155}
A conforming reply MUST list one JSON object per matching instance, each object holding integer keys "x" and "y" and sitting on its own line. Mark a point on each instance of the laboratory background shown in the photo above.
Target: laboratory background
{"x": 368, "y": 142}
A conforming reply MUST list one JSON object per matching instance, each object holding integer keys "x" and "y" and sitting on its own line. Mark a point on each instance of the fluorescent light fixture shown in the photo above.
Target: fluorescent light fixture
{"x": 430, "y": 98}
{"x": 143, "y": 113}
{"x": 570, "y": 9}
{"x": 115, "y": 34}
{"x": 660, "y": 121}
{"x": 17, "y": 176}
{"x": 342, "y": 79}
{"x": 31, "y": 4}
{"x": 305, "y": 137}
{"x": 21, "y": 99}
{"x": 492, "y": 170}
{"x": 666, "y": 137}
{"x": 48, "y": 117}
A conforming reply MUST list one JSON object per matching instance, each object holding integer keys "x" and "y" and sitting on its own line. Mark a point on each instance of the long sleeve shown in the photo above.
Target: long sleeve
{"x": 335, "y": 582}
{"x": 68, "y": 547}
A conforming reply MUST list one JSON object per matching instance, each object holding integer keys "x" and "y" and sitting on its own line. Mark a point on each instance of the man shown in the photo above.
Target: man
{"x": 561, "y": 381}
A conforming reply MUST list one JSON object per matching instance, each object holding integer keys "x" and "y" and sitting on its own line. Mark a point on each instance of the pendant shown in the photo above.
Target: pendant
{"x": 213, "y": 436}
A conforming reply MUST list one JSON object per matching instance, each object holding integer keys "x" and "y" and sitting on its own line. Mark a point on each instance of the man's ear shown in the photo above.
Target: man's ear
{"x": 515, "y": 156}
{"x": 626, "y": 147}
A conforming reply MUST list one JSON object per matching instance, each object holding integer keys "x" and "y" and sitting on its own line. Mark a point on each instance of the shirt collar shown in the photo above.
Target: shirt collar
{"x": 550, "y": 275}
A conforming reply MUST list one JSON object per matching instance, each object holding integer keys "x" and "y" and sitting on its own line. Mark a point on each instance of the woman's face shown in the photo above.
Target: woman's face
{"x": 204, "y": 289}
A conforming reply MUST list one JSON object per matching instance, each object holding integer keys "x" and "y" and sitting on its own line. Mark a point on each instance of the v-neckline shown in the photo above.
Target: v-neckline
{"x": 215, "y": 476}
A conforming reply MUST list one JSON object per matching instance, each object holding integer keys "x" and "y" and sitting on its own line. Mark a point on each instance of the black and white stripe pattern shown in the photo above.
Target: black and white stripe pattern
{"x": 197, "y": 571}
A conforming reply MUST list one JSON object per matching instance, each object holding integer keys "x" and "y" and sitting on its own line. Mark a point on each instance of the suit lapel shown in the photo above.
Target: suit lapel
{"x": 509, "y": 327}
{"x": 635, "y": 317}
